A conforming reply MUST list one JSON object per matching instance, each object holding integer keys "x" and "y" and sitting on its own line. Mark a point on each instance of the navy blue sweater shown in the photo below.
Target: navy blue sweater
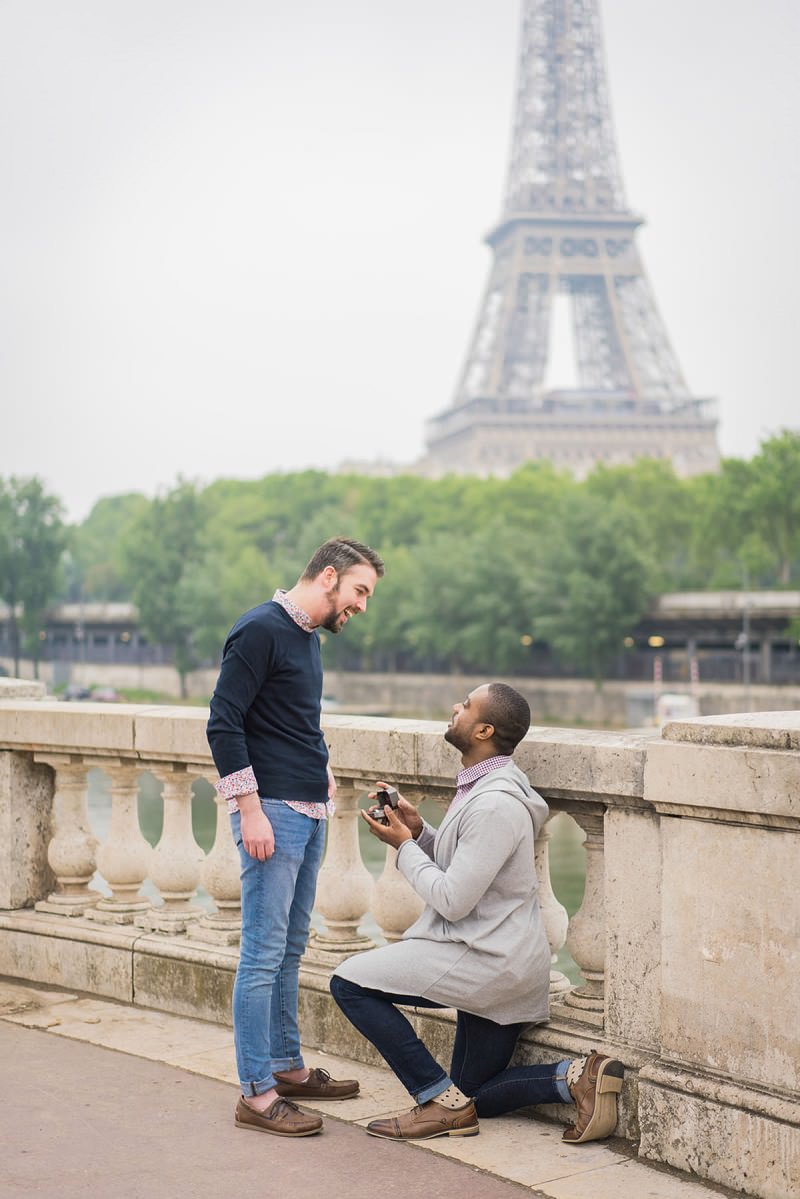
{"x": 265, "y": 710}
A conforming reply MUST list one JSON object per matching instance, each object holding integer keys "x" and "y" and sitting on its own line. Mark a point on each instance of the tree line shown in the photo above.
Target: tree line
{"x": 478, "y": 570}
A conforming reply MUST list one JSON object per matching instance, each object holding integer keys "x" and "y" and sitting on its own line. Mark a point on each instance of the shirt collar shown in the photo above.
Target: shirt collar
{"x": 471, "y": 774}
{"x": 299, "y": 617}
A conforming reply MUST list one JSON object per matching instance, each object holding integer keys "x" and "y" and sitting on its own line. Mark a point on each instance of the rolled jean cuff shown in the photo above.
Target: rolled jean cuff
{"x": 257, "y": 1088}
{"x": 287, "y": 1063}
{"x": 560, "y": 1080}
{"x": 435, "y": 1088}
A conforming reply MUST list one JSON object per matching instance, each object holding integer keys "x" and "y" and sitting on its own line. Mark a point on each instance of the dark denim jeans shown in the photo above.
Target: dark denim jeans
{"x": 481, "y": 1053}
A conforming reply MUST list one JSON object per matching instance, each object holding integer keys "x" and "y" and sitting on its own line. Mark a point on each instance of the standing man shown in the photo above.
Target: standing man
{"x": 479, "y": 946}
{"x": 265, "y": 737}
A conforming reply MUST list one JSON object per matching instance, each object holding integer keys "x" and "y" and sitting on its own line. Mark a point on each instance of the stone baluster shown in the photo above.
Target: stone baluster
{"x": 554, "y": 914}
{"x": 124, "y": 858}
{"x": 586, "y": 939}
{"x": 344, "y": 886}
{"x": 395, "y": 904}
{"x": 71, "y": 852}
{"x": 221, "y": 878}
{"x": 177, "y": 859}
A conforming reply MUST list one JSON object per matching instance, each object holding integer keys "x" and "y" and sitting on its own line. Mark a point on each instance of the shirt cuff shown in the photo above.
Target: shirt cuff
{"x": 241, "y": 782}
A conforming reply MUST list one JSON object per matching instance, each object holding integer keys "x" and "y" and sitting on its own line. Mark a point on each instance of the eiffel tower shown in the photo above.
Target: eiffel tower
{"x": 566, "y": 230}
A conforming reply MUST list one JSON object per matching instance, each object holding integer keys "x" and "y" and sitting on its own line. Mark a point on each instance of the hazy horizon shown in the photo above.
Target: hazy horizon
{"x": 247, "y": 238}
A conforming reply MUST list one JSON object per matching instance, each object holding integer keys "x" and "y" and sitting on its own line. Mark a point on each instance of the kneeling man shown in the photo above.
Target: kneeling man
{"x": 479, "y": 946}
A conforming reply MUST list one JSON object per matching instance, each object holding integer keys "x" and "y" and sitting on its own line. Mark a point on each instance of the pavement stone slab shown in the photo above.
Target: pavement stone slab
{"x": 526, "y": 1151}
{"x": 87, "y": 1121}
{"x": 629, "y": 1178}
{"x": 513, "y": 1151}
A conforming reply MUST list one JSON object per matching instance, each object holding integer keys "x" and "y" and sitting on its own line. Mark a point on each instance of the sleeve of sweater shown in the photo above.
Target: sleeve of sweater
{"x": 426, "y": 839}
{"x": 488, "y": 832}
{"x": 246, "y": 663}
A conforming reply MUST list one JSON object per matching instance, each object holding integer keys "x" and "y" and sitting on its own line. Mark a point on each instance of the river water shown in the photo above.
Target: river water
{"x": 566, "y": 845}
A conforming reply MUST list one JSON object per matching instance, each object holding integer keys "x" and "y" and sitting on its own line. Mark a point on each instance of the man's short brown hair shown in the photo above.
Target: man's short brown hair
{"x": 343, "y": 553}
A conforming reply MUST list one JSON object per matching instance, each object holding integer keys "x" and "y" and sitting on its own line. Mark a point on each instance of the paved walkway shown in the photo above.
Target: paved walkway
{"x": 99, "y": 1098}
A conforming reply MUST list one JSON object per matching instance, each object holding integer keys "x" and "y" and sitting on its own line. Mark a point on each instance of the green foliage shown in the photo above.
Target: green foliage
{"x": 32, "y": 538}
{"x": 774, "y": 498}
{"x": 793, "y": 630}
{"x": 161, "y": 546}
{"x": 651, "y": 489}
{"x": 472, "y": 602}
{"x": 96, "y": 566}
{"x": 746, "y": 528}
{"x": 473, "y": 565}
{"x": 593, "y": 582}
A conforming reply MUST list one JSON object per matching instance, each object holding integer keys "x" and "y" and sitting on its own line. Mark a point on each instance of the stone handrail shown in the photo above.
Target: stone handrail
{"x": 126, "y": 740}
{"x": 687, "y": 938}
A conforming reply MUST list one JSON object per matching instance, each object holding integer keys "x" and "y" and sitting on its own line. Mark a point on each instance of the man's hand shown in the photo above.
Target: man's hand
{"x": 406, "y": 811}
{"x": 403, "y": 817}
{"x": 332, "y": 788}
{"x": 394, "y": 833}
{"x": 258, "y": 837}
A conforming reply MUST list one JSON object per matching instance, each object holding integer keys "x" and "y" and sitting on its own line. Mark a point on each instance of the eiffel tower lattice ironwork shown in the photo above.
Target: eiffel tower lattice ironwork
{"x": 566, "y": 229}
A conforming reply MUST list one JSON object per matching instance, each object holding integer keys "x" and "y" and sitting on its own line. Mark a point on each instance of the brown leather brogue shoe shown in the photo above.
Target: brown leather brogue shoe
{"x": 282, "y": 1119}
{"x": 594, "y": 1083}
{"x": 318, "y": 1085}
{"x": 426, "y": 1121}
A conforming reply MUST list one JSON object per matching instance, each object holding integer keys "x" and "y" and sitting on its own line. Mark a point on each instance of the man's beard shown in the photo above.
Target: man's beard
{"x": 336, "y": 619}
{"x": 452, "y": 737}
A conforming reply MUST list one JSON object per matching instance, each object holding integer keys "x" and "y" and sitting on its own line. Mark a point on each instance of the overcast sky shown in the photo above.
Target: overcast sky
{"x": 245, "y": 236}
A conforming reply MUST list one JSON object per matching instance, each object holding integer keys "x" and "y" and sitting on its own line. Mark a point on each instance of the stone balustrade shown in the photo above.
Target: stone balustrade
{"x": 687, "y": 937}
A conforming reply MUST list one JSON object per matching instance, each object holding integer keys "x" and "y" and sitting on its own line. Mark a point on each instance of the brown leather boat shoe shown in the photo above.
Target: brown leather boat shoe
{"x": 426, "y": 1121}
{"x": 318, "y": 1085}
{"x": 594, "y": 1083}
{"x": 282, "y": 1119}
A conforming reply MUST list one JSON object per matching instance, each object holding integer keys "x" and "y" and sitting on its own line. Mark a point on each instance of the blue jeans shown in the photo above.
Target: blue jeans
{"x": 277, "y": 899}
{"x": 481, "y": 1053}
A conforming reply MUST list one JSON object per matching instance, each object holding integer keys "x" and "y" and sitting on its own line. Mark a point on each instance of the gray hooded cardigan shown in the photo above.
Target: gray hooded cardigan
{"x": 480, "y": 944}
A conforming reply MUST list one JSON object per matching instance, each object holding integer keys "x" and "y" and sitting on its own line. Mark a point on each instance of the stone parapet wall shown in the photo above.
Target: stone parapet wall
{"x": 687, "y": 937}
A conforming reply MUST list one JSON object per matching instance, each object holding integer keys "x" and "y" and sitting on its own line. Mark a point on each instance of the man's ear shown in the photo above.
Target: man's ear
{"x": 484, "y": 732}
{"x": 328, "y": 577}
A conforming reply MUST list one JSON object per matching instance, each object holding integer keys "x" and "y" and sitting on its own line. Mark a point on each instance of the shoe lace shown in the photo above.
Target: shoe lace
{"x": 283, "y": 1107}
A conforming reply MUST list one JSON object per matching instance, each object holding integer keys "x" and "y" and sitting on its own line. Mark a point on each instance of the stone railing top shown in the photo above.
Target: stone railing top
{"x": 21, "y": 689}
{"x": 560, "y": 762}
{"x": 762, "y": 730}
{"x": 134, "y": 730}
{"x": 557, "y": 761}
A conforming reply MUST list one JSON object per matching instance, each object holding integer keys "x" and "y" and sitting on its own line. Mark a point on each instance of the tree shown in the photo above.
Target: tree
{"x": 747, "y": 518}
{"x": 775, "y": 500}
{"x": 32, "y": 538}
{"x": 592, "y": 583}
{"x": 728, "y": 546}
{"x": 471, "y": 600}
{"x": 160, "y": 549}
{"x": 650, "y": 489}
{"x": 95, "y": 548}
